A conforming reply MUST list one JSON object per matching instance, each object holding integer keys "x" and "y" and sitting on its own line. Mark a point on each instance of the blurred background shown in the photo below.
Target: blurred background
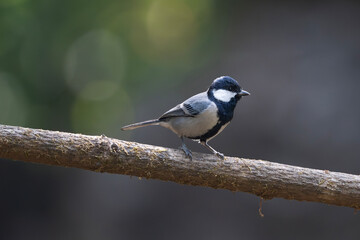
{"x": 93, "y": 66}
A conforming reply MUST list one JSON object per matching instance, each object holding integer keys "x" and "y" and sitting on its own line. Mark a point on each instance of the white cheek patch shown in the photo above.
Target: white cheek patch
{"x": 223, "y": 95}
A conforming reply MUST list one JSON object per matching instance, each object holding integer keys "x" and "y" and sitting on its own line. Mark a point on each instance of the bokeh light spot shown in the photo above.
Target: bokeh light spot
{"x": 99, "y": 90}
{"x": 171, "y": 26}
{"x": 95, "y": 60}
{"x": 169, "y": 32}
{"x": 105, "y": 116}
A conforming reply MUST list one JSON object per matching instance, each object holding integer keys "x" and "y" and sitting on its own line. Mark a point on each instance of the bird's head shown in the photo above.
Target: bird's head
{"x": 226, "y": 89}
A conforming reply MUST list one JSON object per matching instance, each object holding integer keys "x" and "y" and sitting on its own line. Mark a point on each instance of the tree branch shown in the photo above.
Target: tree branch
{"x": 102, "y": 154}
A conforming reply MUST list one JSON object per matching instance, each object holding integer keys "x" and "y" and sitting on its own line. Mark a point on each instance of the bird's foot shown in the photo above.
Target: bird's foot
{"x": 186, "y": 151}
{"x": 220, "y": 155}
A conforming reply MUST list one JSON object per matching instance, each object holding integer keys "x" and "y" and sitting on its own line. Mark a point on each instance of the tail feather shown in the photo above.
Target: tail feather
{"x": 141, "y": 124}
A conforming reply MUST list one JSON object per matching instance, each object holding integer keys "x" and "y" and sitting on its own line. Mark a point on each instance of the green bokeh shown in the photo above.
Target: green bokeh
{"x": 104, "y": 116}
{"x": 13, "y": 106}
{"x": 77, "y": 63}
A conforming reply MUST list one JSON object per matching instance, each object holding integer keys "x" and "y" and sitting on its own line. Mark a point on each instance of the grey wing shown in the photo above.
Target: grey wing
{"x": 190, "y": 107}
{"x": 174, "y": 112}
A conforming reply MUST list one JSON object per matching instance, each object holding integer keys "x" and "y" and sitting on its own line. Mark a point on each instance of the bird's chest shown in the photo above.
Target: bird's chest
{"x": 224, "y": 117}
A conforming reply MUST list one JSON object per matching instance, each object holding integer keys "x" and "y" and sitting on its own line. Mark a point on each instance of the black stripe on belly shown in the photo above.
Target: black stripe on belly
{"x": 212, "y": 132}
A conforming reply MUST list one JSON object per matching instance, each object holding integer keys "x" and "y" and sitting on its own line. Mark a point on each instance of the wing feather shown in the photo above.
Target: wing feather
{"x": 189, "y": 108}
{"x": 174, "y": 112}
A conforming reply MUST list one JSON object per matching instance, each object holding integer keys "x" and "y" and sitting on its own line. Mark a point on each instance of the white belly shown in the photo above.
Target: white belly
{"x": 194, "y": 126}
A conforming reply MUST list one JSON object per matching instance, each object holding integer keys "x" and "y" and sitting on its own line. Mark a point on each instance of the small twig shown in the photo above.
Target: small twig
{"x": 260, "y": 207}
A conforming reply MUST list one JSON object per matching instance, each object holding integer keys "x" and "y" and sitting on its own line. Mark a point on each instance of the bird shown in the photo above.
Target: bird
{"x": 202, "y": 116}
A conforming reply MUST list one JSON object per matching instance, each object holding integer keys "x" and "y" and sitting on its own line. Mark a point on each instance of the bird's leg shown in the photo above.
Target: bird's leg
{"x": 220, "y": 155}
{"x": 185, "y": 149}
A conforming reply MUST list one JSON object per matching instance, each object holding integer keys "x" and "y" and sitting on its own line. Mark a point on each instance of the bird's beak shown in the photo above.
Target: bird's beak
{"x": 243, "y": 93}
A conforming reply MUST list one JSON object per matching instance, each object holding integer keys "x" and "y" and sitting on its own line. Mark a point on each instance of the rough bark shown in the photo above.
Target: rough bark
{"x": 102, "y": 154}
